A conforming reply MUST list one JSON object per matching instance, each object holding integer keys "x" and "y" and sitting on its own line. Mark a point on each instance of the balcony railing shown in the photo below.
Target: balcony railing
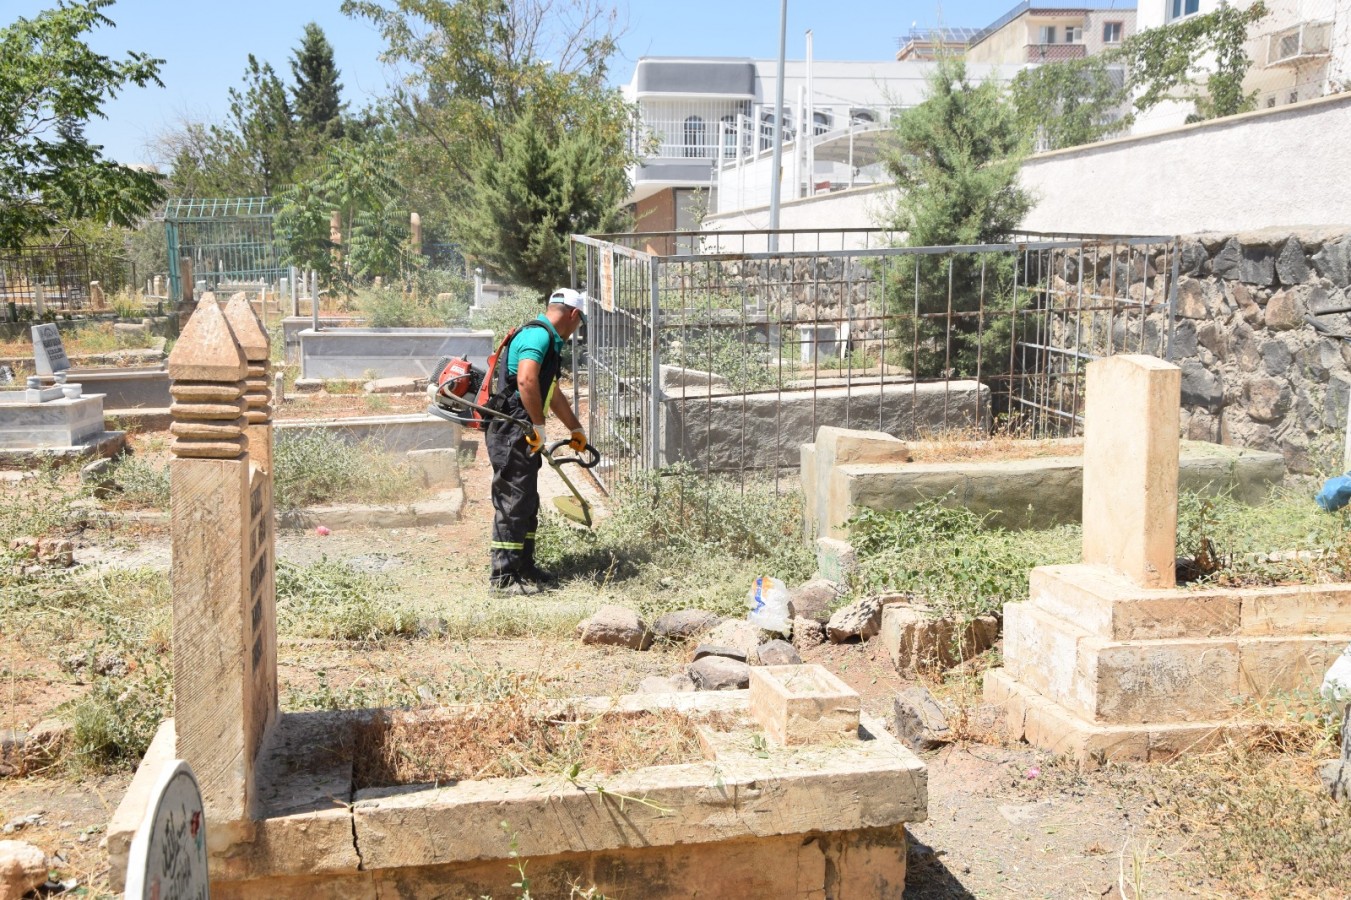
{"x": 1038, "y": 53}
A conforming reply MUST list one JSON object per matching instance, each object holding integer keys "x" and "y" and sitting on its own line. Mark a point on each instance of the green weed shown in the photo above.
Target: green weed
{"x": 330, "y": 599}
{"x": 140, "y": 482}
{"x": 316, "y": 466}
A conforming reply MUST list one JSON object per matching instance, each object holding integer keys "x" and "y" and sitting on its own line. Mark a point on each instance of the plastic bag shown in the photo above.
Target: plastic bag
{"x": 768, "y": 599}
{"x": 1337, "y": 682}
{"x": 1335, "y": 494}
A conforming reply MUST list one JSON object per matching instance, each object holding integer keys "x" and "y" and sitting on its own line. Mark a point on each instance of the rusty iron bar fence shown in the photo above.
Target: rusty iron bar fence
{"x": 728, "y": 357}
{"x": 49, "y": 280}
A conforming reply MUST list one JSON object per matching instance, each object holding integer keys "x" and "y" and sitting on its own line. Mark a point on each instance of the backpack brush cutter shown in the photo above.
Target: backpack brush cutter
{"x": 453, "y": 406}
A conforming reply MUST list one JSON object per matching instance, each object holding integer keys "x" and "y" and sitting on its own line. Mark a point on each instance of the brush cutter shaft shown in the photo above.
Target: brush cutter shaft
{"x": 587, "y": 459}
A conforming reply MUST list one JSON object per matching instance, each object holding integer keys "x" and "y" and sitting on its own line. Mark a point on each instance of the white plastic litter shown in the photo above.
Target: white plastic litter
{"x": 768, "y": 599}
{"x": 1337, "y": 682}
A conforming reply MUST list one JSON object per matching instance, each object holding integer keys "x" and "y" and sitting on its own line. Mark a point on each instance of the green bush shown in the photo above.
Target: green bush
{"x": 37, "y": 506}
{"x": 732, "y": 353}
{"x": 330, "y": 599}
{"x": 511, "y": 311}
{"x": 950, "y": 560}
{"x": 317, "y": 466}
{"x": 392, "y": 308}
{"x": 113, "y": 724}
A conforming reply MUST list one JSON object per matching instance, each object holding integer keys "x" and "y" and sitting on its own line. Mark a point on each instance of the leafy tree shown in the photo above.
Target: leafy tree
{"x": 317, "y": 91}
{"x": 51, "y": 84}
{"x": 955, "y": 159}
{"x": 264, "y": 126}
{"x": 1079, "y": 101}
{"x": 480, "y": 74}
{"x": 547, "y": 185}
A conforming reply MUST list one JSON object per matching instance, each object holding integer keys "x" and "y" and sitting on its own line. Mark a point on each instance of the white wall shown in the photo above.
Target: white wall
{"x": 1281, "y": 167}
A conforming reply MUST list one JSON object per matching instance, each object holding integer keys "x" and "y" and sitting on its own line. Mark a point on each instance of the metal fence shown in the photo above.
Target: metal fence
{"x": 729, "y": 358}
{"x": 229, "y": 240}
{"x": 54, "y": 279}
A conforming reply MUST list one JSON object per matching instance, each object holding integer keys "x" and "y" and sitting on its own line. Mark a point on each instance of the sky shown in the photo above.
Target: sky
{"x": 205, "y": 45}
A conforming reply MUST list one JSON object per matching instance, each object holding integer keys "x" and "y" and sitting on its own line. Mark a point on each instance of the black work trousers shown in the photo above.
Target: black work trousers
{"x": 515, "y": 495}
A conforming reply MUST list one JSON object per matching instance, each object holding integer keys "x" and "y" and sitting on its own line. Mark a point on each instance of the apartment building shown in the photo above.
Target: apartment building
{"x": 1042, "y": 32}
{"x": 706, "y": 130}
{"x": 925, "y": 44}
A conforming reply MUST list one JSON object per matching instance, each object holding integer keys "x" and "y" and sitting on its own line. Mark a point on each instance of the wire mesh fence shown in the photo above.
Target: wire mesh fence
{"x": 53, "y": 279}
{"x": 728, "y": 359}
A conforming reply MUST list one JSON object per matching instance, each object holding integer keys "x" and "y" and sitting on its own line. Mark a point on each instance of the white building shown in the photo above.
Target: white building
{"x": 1301, "y": 49}
{"x": 706, "y": 131}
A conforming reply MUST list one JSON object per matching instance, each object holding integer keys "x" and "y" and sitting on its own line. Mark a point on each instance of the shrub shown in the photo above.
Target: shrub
{"x": 950, "y": 560}
{"x": 113, "y": 724}
{"x": 317, "y": 466}
{"x": 330, "y": 599}
{"x": 392, "y": 308}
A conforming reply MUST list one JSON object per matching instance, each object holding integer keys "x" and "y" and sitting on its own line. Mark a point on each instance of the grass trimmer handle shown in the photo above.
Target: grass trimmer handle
{"x": 587, "y": 459}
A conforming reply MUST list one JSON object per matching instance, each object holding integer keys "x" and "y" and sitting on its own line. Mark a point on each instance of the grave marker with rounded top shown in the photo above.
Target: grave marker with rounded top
{"x": 49, "y": 354}
{"x": 168, "y": 854}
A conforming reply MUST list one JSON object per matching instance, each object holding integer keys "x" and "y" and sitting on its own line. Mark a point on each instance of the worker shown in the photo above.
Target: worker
{"x": 534, "y": 357}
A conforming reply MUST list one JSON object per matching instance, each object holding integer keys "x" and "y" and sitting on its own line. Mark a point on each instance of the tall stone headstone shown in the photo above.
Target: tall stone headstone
{"x": 49, "y": 354}
{"x": 39, "y": 300}
{"x": 96, "y": 298}
{"x": 415, "y": 232}
{"x": 1131, "y": 426}
{"x": 225, "y": 680}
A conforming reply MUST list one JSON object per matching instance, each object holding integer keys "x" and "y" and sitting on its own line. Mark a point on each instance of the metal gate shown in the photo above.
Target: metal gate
{"x": 729, "y": 358}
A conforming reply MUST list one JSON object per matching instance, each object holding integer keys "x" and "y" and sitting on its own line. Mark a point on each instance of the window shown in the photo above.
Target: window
{"x": 729, "y": 137}
{"x": 1074, "y": 34}
{"x": 1046, "y": 34}
{"x": 1179, "y": 8}
{"x": 1111, "y": 32}
{"x": 694, "y": 136}
{"x": 820, "y": 122}
{"x": 862, "y": 117}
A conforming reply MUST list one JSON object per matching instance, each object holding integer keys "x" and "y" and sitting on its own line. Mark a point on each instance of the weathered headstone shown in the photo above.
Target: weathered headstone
{"x": 1131, "y": 428}
{"x": 168, "y": 854}
{"x": 96, "y": 298}
{"x": 415, "y": 232}
{"x": 225, "y": 679}
{"x": 39, "y": 301}
{"x": 49, "y": 355}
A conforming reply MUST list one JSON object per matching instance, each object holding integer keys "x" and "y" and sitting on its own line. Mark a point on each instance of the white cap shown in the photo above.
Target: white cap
{"x": 569, "y": 297}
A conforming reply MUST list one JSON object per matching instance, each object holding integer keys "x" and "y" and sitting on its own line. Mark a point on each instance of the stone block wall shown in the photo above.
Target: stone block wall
{"x": 1263, "y": 337}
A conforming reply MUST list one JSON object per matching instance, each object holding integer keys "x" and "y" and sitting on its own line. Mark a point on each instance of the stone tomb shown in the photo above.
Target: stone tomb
{"x": 59, "y": 420}
{"x": 1108, "y": 660}
{"x": 819, "y": 810}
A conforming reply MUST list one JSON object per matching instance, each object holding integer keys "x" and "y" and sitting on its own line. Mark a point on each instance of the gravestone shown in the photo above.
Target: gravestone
{"x": 1131, "y": 428}
{"x": 49, "y": 355}
{"x": 225, "y": 679}
{"x": 96, "y": 298}
{"x": 168, "y": 853}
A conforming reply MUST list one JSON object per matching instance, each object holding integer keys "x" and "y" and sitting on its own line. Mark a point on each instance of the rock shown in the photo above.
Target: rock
{"x": 131, "y": 330}
{"x": 737, "y": 634}
{"x": 1276, "y": 357}
{"x": 837, "y": 560}
{"x": 674, "y": 684}
{"x": 1212, "y": 338}
{"x": 1291, "y": 267}
{"x": 735, "y": 653}
{"x": 1319, "y": 360}
{"x": 717, "y": 673}
{"x": 616, "y": 626}
{"x": 1285, "y": 310}
{"x": 23, "y": 868}
{"x": 1336, "y": 778}
{"x": 1266, "y": 399}
{"x": 1184, "y": 340}
{"x": 777, "y": 653}
{"x": 56, "y": 552}
{"x": 1200, "y": 387}
{"x": 919, "y": 720}
{"x": 1333, "y": 262}
{"x": 1195, "y": 299}
{"x": 1192, "y": 255}
{"x": 861, "y": 620}
{"x": 917, "y": 639}
{"x": 1226, "y": 263}
{"x": 1241, "y": 298}
{"x": 391, "y": 386}
{"x": 1257, "y": 265}
{"x": 432, "y": 626}
{"x": 808, "y": 633}
{"x": 813, "y": 599}
{"x": 683, "y": 625}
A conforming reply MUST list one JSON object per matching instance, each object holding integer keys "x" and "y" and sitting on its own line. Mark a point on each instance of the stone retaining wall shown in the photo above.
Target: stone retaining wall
{"x": 1262, "y": 331}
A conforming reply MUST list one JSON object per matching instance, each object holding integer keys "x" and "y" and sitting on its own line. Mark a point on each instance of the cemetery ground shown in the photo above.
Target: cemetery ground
{"x": 402, "y": 617}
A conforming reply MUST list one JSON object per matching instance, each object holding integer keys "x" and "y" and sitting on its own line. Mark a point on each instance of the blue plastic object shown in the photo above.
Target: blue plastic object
{"x": 1335, "y": 494}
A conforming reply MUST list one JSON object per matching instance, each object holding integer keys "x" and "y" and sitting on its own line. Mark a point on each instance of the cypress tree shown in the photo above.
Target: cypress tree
{"x": 317, "y": 89}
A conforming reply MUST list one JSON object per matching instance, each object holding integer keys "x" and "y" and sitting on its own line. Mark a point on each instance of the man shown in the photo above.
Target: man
{"x": 534, "y": 357}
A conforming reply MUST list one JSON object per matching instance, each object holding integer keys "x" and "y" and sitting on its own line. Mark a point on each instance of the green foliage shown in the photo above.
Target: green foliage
{"x": 317, "y": 91}
{"x": 950, "y": 559}
{"x": 316, "y": 466}
{"x": 36, "y": 506}
{"x": 510, "y": 312}
{"x": 956, "y": 159}
{"x": 1200, "y": 59}
{"x": 263, "y": 123}
{"x": 1073, "y": 102}
{"x": 51, "y": 85}
{"x": 330, "y": 599}
{"x": 141, "y": 483}
{"x": 548, "y": 183}
{"x": 506, "y": 103}
{"x": 732, "y": 353}
{"x": 392, "y": 308}
{"x": 112, "y": 725}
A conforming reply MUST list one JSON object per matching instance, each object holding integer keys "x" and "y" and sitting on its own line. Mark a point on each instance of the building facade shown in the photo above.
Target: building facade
{"x": 1034, "y": 33}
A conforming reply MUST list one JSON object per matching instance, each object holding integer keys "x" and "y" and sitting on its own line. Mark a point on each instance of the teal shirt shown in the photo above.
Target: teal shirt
{"x": 533, "y": 343}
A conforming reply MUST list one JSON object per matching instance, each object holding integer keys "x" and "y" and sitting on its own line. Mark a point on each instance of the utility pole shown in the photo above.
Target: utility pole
{"x": 776, "y": 175}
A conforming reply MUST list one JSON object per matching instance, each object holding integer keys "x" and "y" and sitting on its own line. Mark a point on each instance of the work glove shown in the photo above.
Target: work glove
{"x": 534, "y": 439}
{"x": 578, "y": 442}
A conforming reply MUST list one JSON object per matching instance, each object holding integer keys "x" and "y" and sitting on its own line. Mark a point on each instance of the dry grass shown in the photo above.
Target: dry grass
{"x": 516, "y": 737}
{"x": 969, "y": 444}
{"x": 1255, "y": 811}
